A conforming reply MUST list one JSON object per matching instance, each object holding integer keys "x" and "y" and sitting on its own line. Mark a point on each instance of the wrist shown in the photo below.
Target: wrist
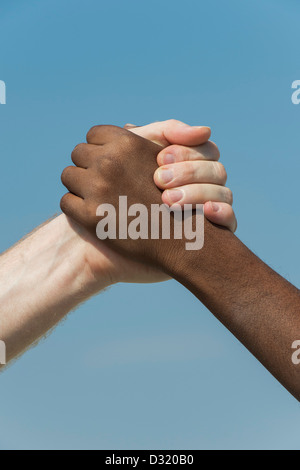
{"x": 72, "y": 249}
{"x": 98, "y": 263}
{"x": 204, "y": 271}
{"x": 42, "y": 278}
{"x": 191, "y": 267}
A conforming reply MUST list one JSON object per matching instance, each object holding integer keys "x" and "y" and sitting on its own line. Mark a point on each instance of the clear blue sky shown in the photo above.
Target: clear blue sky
{"x": 148, "y": 366}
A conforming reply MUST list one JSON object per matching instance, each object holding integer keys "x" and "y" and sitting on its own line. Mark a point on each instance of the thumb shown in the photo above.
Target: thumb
{"x": 173, "y": 132}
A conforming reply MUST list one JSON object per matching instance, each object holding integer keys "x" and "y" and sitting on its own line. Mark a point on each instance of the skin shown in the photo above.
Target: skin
{"x": 61, "y": 264}
{"x": 193, "y": 168}
{"x": 256, "y": 304}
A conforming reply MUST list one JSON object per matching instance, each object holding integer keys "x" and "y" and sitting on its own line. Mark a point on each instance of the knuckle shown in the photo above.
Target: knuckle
{"x": 172, "y": 121}
{"x": 181, "y": 152}
{"x": 92, "y": 133}
{"x": 66, "y": 174}
{"x": 79, "y": 149}
{"x": 127, "y": 139}
{"x": 112, "y": 167}
{"x": 188, "y": 153}
{"x": 221, "y": 172}
{"x": 64, "y": 203}
{"x": 229, "y": 196}
{"x": 97, "y": 186}
{"x": 214, "y": 150}
{"x": 199, "y": 192}
{"x": 96, "y": 131}
{"x": 107, "y": 165}
{"x": 189, "y": 171}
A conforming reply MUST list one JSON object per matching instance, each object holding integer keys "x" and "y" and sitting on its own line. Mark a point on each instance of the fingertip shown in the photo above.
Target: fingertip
{"x": 211, "y": 207}
{"x": 160, "y": 158}
{"x": 157, "y": 180}
{"x": 221, "y": 214}
{"x": 208, "y": 131}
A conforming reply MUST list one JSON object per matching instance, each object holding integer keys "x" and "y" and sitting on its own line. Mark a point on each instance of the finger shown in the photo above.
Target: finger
{"x": 221, "y": 214}
{"x": 72, "y": 178}
{"x": 75, "y": 208}
{"x": 101, "y": 135}
{"x": 178, "y": 153}
{"x": 179, "y": 174}
{"x": 197, "y": 194}
{"x": 174, "y": 132}
{"x": 81, "y": 155}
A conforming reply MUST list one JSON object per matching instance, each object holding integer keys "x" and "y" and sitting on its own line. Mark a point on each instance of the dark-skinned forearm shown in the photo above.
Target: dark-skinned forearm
{"x": 256, "y": 304}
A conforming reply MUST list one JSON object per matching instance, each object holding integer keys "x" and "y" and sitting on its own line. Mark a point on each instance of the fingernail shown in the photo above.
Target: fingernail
{"x": 165, "y": 175}
{"x": 168, "y": 159}
{"x": 175, "y": 195}
{"x": 215, "y": 207}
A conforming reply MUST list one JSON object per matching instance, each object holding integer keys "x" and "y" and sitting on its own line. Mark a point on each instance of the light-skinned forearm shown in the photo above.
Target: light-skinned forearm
{"x": 42, "y": 278}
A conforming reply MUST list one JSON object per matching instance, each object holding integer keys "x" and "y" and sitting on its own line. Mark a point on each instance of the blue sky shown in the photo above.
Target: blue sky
{"x": 148, "y": 366}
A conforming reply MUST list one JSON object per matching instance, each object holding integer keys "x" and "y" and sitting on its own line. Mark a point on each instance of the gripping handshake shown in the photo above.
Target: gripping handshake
{"x": 173, "y": 167}
{"x": 117, "y": 163}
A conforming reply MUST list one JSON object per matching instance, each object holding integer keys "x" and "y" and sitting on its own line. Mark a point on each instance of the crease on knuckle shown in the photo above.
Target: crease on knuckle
{"x": 190, "y": 172}
{"x": 200, "y": 196}
{"x": 185, "y": 153}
